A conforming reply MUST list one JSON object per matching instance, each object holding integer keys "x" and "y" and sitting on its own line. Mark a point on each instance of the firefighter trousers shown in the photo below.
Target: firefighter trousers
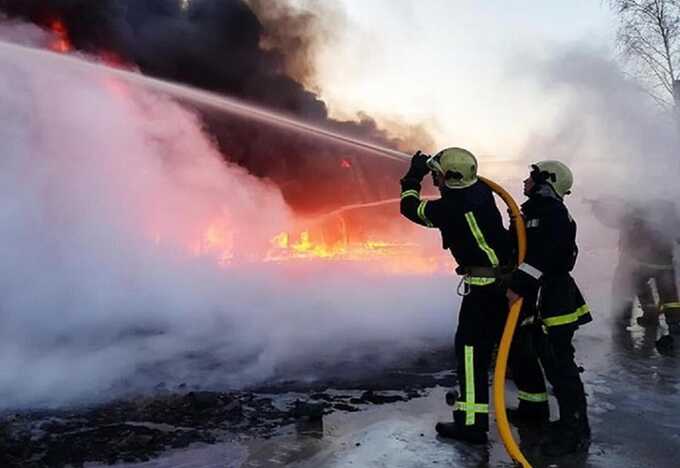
{"x": 480, "y": 323}
{"x": 535, "y": 347}
{"x": 633, "y": 279}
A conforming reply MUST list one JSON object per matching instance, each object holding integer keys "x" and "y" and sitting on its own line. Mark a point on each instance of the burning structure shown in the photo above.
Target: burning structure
{"x": 224, "y": 47}
{"x": 153, "y": 230}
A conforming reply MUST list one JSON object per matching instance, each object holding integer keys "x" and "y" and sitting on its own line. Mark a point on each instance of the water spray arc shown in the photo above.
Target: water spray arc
{"x": 199, "y": 97}
{"x": 252, "y": 112}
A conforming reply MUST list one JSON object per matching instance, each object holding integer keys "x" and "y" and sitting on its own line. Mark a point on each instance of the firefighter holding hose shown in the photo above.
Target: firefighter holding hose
{"x": 472, "y": 230}
{"x": 553, "y": 309}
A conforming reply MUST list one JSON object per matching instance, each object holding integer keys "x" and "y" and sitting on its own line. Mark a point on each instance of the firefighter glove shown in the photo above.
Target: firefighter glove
{"x": 419, "y": 167}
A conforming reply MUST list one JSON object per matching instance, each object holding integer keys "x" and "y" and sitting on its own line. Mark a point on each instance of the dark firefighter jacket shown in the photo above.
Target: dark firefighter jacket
{"x": 550, "y": 257}
{"x": 645, "y": 244}
{"x": 470, "y": 224}
{"x": 647, "y": 232}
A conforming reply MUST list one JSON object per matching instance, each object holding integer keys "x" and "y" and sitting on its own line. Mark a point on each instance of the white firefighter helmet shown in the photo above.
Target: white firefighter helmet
{"x": 457, "y": 166}
{"x": 554, "y": 173}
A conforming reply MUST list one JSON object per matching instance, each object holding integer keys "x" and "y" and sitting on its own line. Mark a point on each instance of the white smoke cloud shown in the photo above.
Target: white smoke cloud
{"x": 622, "y": 148}
{"x": 103, "y": 187}
{"x": 605, "y": 124}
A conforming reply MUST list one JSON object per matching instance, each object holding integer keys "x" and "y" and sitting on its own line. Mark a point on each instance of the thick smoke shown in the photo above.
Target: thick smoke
{"x": 298, "y": 32}
{"x": 222, "y": 46}
{"x": 105, "y": 190}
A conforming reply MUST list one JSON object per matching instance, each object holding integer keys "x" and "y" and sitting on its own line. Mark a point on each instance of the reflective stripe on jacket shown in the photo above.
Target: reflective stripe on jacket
{"x": 468, "y": 219}
{"x": 551, "y": 254}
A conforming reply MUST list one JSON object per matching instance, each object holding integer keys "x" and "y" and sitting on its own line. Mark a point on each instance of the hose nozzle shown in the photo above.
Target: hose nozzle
{"x": 433, "y": 164}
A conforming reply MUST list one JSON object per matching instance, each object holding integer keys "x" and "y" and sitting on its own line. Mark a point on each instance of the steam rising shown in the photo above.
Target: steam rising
{"x": 618, "y": 142}
{"x": 100, "y": 194}
{"x": 621, "y": 147}
{"x": 103, "y": 189}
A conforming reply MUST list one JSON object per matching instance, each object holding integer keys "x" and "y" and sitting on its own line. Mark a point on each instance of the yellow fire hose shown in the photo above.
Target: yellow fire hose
{"x": 508, "y": 332}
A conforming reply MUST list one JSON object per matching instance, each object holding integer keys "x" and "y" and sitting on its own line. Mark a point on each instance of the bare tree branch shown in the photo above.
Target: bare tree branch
{"x": 649, "y": 35}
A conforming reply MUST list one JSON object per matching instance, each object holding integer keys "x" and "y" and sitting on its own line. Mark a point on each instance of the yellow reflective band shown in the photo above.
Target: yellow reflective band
{"x": 421, "y": 213}
{"x": 471, "y": 407}
{"x": 566, "y": 318}
{"x": 670, "y": 305}
{"x": 479, "y": 237}
{"x": 469, "y": 384}
{"x": 653, "y": 266}
{"x": 478, "y": 280}
{"x": 410, "y": 193}
{"x": 533, "y": 397}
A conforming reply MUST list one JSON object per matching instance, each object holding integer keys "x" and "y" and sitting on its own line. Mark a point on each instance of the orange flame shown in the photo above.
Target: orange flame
{"x": 219, "y": 241}
{"x": 385, "y": 256}
{"x": 61, "y": 42}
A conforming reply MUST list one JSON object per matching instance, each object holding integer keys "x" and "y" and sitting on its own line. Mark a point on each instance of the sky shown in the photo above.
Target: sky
{"x": 457, "y": 66}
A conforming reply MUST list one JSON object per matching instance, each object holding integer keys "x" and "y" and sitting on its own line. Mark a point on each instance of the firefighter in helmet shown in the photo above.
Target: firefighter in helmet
{"x": 553, "y": 309}
{"x": 472, "y": 230}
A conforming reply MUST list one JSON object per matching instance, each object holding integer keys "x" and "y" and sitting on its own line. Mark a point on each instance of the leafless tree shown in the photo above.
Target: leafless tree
{"x": 649, "y": 36}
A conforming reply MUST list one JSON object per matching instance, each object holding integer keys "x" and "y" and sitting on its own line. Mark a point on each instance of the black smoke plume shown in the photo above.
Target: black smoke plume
{"x": 221, "y": 46}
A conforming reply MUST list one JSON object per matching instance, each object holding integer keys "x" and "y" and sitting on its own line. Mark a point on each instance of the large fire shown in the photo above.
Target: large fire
{"x": 312, "y": 245}
{"x": 386, "y": 256}
{"x": 337, "y": 238}
{"x": 331, "y": 240}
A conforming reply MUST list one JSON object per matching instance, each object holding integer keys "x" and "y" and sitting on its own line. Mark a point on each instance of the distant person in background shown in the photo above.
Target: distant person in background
{"x": 648, "y": 233}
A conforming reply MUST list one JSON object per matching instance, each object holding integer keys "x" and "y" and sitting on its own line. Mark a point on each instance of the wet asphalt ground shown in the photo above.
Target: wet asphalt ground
{"x": 634, "y": 408}
{"x": 633, "y": 395}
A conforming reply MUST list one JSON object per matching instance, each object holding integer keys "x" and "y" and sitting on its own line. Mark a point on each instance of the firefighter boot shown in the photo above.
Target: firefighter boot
{"x": 451, "y": 430}
{"x": 665, "y": 345}
{"x": 533, "y": 414}
{"x": 569, "y": 435}
{"x": 674, "y": 328}
{"x": 672, "y": 313}
{"x": 555, "y": 428}
{"x": 650, "y": 316}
